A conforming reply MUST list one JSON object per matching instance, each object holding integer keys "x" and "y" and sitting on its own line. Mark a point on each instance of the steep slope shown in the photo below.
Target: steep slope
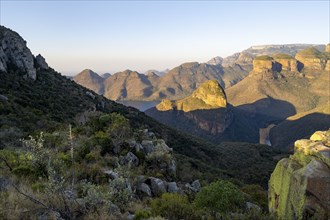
{"x": 90, "y": 80}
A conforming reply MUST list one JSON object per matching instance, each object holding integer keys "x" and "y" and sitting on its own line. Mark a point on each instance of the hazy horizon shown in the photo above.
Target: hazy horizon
{"x": 111, "y": 36}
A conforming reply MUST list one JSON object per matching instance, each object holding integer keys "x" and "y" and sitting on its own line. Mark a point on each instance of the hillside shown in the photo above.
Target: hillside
{"x": 51, "y": 102}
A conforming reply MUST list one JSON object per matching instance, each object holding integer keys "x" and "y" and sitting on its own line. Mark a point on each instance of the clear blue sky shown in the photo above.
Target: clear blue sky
{"x": 109, "y": 36}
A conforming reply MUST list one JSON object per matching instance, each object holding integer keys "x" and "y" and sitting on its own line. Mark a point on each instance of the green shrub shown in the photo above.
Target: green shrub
{"x": 173, "y": 206}
{"x": 142, "y": 214}
{"x": 221, "y": 196}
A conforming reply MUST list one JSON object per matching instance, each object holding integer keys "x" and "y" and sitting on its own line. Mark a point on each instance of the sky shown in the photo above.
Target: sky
{"x": 112, "y": 36}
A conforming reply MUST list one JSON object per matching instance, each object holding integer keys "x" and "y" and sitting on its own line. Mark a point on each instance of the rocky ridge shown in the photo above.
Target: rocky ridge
{"x": 299, "y": 186}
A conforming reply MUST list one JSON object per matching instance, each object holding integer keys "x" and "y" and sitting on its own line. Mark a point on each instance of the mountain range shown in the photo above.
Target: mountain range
{"x": 182, "y": 80}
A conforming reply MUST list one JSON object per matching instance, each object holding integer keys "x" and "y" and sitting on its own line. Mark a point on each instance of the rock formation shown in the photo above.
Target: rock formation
{"x": 313, "y": 59}
{"x": 15, "y": 54}
{"x": 288, "y": 63}
{"x": 265, "y": 63}
{"x": 209, "y": 95}
{"x": 41, "y": 62}
{"x": 299, "y": 186}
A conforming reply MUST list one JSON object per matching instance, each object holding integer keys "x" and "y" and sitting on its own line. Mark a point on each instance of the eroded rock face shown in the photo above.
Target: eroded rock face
{"x": 299, "y": 186}
{"x": 288, "y": 64}
{"x": 15, "y": 54}
{"x": 313, "y": 59}
{"x": 209, "y": 95}
{"x": 265, "y": 63}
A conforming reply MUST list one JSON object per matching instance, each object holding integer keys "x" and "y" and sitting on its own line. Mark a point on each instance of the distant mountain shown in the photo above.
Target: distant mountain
{"x": 175, "y": 84}
{"x": 105, "y": 75}
{"x": 301, "y": 83}
{"x": 90, "y": 80}
{"x": 127, "y": 85}
{"x": 253, "y": 51}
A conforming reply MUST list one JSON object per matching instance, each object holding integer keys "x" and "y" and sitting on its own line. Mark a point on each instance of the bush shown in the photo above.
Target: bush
{"x": 142, "y": 214}
{"x": 173, "y": 206}
{"x": 221, "y": 196}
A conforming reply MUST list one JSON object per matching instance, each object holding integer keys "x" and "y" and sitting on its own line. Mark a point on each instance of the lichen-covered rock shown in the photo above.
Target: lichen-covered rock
{"x": 130, "y": 158}
{"x": 172, "y": 187}
{"x": 299, "y": 187}
{"x": 144, "y": 189}
{"x": 14, "y": 52}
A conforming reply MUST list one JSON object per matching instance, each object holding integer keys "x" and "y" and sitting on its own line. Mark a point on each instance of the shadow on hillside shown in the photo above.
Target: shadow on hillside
{"x": 268, "y": 110}
{"x": 240, "y": 123}
{"x": 287, "y": 132}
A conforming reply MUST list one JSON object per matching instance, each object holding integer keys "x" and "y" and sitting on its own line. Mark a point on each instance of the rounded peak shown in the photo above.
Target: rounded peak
{"x": 263, "y": 58}
{"x": 282, "y": 56}
{"x": 87, "y": 71}
{"x": 210, "y": 87}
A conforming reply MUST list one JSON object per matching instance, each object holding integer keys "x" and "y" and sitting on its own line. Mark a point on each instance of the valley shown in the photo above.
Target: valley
{"x": 130, "y": 145}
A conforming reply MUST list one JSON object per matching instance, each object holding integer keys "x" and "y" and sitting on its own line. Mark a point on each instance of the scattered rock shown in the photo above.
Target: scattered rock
{"x": 130, "y": 158}
{"x": 157, "y": 186}
{"x": 194, "y": 186}
{"x": 172, "y": 187}
{"x": 144, "y": 189}
{"x": 111, "y": 174}
{"x": 148, "y": 146}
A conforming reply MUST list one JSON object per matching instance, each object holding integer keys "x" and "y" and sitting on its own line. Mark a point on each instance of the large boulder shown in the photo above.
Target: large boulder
{"x": 144, "y": 189}
{"x": 158, "y": 186}
{"x": 299, "y": 187}
{"x": 130, "y": 158}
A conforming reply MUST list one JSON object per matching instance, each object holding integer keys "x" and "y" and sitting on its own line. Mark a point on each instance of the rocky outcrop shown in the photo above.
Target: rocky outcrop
{"x": 299, "y": 186}
{"x": 41, "y": 62}
{"x": 313, "y": 59}
{"x": 288, "y": 63}
{"x": 14, "y": 54}
{"x": 209, "y": 95}
{"x": 265, "y": 63}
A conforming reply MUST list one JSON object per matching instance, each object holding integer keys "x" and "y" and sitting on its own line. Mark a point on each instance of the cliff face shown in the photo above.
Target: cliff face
{"x": 209, "y": 95}
{"x": 313, "y": 59}
{"x": 15, "y": 54}
{"x": 299, "y": 186}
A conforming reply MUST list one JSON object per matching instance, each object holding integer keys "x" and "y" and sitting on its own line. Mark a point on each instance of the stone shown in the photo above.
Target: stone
{"x": 148, "y": 146}
{"x": 144, "y": 189}
{"x": 5, "y": 183}
{"x": 157, "y": 186}
{"x": 172, "y": 187}
{"x": 194, "y": 186}
{"x": 15, "y": 52}
{"x": 130, "y": 158}
{"x": 111, "y": 174}
{"x": 299, "y": 186}
{"x": 90, "y": 94}
{"x": 41, "y": 62}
